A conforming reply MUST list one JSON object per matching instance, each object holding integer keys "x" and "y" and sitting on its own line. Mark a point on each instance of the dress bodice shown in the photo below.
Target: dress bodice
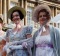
{"x": 44, "y": 46}
{"x": 43, "y": 39}
{"x": 20, "y": 35}
{"x": 17, "y": 36}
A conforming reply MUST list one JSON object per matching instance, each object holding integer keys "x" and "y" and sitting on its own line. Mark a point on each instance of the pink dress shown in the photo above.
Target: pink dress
{"x": 2, "y": 43}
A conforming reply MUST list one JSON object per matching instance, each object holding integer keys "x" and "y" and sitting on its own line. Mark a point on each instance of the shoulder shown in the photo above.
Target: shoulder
{"x": 4, "y": 36}
{"x": 28, "y": 29}
{"x": 56, "y": 29}
{"x": 8, "y": 31}
{"x": 35, "y": 33}
{"x": 4, "y": 33}
{"x": 52, "y": 28}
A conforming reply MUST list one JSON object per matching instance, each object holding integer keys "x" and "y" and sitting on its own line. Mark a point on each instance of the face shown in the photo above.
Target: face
{"x": 42, "y": 18}
{"x": 1, "y": 25}
{"x": 16, "y": 17}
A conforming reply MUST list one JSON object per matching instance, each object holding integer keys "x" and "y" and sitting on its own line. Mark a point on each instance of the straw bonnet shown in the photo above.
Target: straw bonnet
{"x": 16, "y": 8}
{"x": 37, "y": 9}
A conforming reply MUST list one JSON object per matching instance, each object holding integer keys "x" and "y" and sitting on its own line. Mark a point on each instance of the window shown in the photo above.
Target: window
{"x": 29, "y": 16}
{"x": 29, "y": 19}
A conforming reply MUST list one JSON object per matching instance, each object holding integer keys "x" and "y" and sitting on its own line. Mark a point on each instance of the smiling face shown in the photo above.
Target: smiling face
{"x": 43, "y": 17}
{"x": 16, "y": 17}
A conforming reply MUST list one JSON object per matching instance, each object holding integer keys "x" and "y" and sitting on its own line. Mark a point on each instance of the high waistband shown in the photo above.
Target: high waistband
{"x": 44, "y": 45}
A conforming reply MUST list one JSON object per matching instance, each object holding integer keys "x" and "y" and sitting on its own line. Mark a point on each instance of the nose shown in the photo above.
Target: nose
{"x": 15, "y": 16}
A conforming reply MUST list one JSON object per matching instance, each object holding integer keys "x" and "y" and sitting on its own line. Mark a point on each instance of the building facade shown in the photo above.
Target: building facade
{"x": 28, "y": 5}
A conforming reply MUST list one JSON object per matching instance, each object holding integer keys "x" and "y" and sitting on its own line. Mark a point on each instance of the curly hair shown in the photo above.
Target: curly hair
{"x": 47, "y": 13}
{"x": 20, "y": 14}
{"x": 40, "y": 8}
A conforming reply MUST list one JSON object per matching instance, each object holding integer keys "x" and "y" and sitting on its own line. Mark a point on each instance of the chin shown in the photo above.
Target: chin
{"x": 41, "y": 23}
{"x": 16, "y": 22}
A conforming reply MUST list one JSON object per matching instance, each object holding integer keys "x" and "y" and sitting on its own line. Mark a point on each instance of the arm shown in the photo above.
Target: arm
{"x": 19, "y": 42}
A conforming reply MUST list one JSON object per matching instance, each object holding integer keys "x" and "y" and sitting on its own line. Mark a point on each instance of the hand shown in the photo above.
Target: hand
{"x": 28, "y": 35}
{"x": 5, "y": 47}
{"x": 11, "y": 47}
{"x": 24, "y": 44}
{"x": 8, "y": 50}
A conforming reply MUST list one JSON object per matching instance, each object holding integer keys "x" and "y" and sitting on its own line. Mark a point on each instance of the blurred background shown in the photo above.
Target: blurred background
{"x": 29, "y": 5}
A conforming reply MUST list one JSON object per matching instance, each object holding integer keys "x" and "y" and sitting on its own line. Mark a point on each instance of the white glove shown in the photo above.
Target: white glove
{"x": 24, "y": 44}
{"x": 6, "y": 48}
{"x": 13, "y": 47}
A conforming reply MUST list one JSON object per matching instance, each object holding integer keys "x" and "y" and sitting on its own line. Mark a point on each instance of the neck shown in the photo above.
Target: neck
{"x": 0, "y": 29}
{"x": 1, "y": 32}
{"x": 18, "y": 26}
{"x": 47, "y": 24}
